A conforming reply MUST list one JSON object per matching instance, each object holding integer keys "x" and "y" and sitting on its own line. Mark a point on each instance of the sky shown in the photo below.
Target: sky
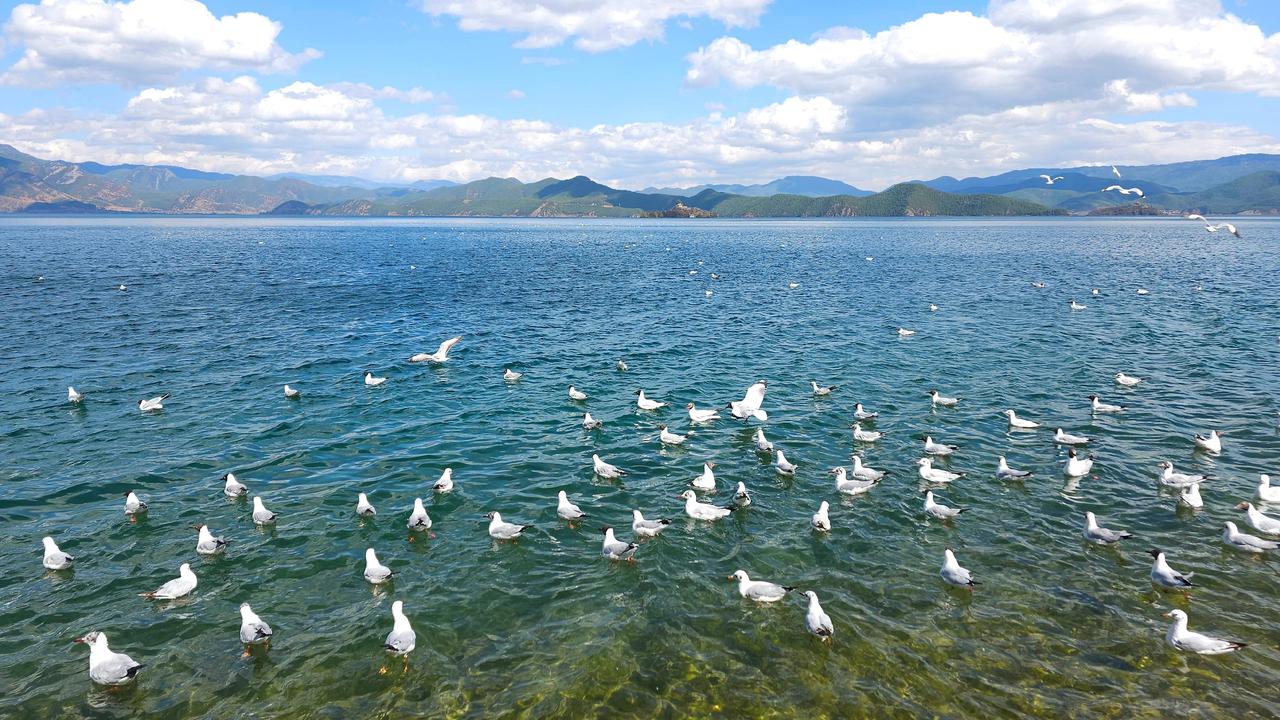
{"x": 643, "y": 93}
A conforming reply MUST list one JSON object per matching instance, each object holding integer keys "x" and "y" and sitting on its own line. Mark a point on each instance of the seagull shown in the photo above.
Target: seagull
{"x": 261, "y": 515}
{"x": 175, "y": 588}
{"x": 1177, "y": 479}
{"x": 153, "y": 404}
{"x": 1115, "y": 172}
{"x": 933, "y": 308}
{"x": 253, "y": 631}
{"x": 291, "y": 394}
{"x": 134, "y": 506}
{"x": 1095, "y": 292}
{"x": 1050, "y": 180}
{"x": 1100, "y": 535}
{"x": 793, "y": 285}
{"x": 1004, "y": 471}
{"x": 1068, "y": 439}
{"x": 749, "y": 405}
{"x": 1190, "y": 496}
{"x": 1233, "y": 538}
{"x": 605, "y": 470}
{"x": 862, "y": 472}
{"x": 590, "y": 423}
{"x": 818, "y": 622}
{"x": 1211, "y": 443}
{"x": 1257, "y": 519}
{"x": 714, "y": 276}
{"x": 55, "y": 559}
{"x": 942, "y": 512}
{"x": 502, "y": 530}
{"x": 419, "y": 519}
{"x": 402, "y": 639}
{"x": 445, "y": 483}
{"x": 576, "y": 395}
{"x": 741, "y": 496}
{"x": 903, "y": 332}
{"x": 642, "y": 528}
{"x": 937, "y": 399}
{"x": 1124, "y": 191}
{"x": 762, "y": 445}
{"x": 374, "y": 571}
{"x": 1038, "y": 285}
{"x": 566, "y": 509}
{"x": 233, "y": 487}
{"x": 615, "y": 549}
{"x": 707, "y": 480}
{"x": 105, "y": 666}
{"x": 1127, "y": 380}
{"x": 1183, "y": 639}
{"x": 1230, "y": 228}
{"x": 861, "y": 435}
{"x": 622, "y": 366}
{"x": 440, "y": 355}
{"x": 1101, "y": 407}
{"x": 701, "y": 416}
{"x": 860, "y": 414}
{"x": 759, "y": 590}
{"x": 1194, "y": 216}
{"x": 1019, "y": 423}
{"x": 363, "y": 507}
{"x": 953, "y": 573}
{"x": 669, "y": 438}
{"x": 784, "y": 467}
{"x": 1143, "y": 291}
{"x": 1077, "y": 306}
{"x": 821, "y": 522}
{"x": 1164, "y": 576}
{"x": 73, "y": 396}
{"x": 845, "y": 486}
{"x": 702, "y": 511}
{"x": 645, "y": 403}
{"x": 206, "y": 543}
{"x": 1266, "y": 493}
{"x": 511, "y": 375}
{"x": 928, "y": 473}
{"x": 372, "y": 381}
{"x": 1077, "y": 466}
{"x": 933, "y": 448}
{"x": 820, "y": 390}
{"x": 123, "y": 288}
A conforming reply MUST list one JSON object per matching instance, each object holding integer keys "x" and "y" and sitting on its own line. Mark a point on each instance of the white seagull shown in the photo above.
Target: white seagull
{"x": 134, "y": 506}
{"x": 107, "y": 667}
{"x": 445, "y": 483}
{"x": 1177, "y": 479}
{"x": 1100, "y": 535}
{"x": 511, "y": 375}
{"x": 1050, "y": 180}
{"x": 54, "y": 558}
{"x": 1229, "y": 227}
{"x": 701, "y": 416}
{"x": 821, "y": 390}
{"x": 903, "y": 332}
{"x": 605, "y": 470}
{"x": 261, "y": 515}
{"x": 1077, "y": 306}
{"x": 374, "y": 571}
{"x": 1211, "y": 443}
{"x": 938, "y": 399}
{"x": 845, "y": 486}
{"x": 860, "y": 414}
{"x": 206, "y": 543}
{"x": 1164, "y": 576}
{"x": 821, "y": 521}
{"x": 1124, "y": 191}
{"x": 707, "y": 480}
{"x": 1004, "y": 471}
{"x": 419, "y": 520}
{"x": 622, "y": 366}
{"x": 1183, "y": 639}
{"x": 749, "y": 405}
{"x": 440, "y": 355}
{"x": 1101, "y": 407}
{"x": 933, "y": 448}
{"x": 402, "y": 639}
{"x": 1257, "y": 520}
{"x": 741, "y": 496}
{"x": 499, "y": 529}
{"x": 818, "y": 622}
{"x": 645, "y": 403}
{"x": 576, "y": 395}
{"x": 291, "y": 393}
{"x": 762, "y": 444}
{"x": 615, "y": 549}
{"x": 253, "y": 631}
{"x": 364, "y": 508}
{"x": 175, "y": 588}
{"x": 1020, "y": 423}
{"x": 1063, "y": 438}
{"x": 153, "y": 404}
{"x": 231, "y": 487}
{"x": 1127, "y": 380}
{"x": 1233, "y": 538}
{"x": 863, "y": 472}
{"x": 868, "y": 436}
{"x": 566, "y": 509}
{"x": 953, "y": 573}
{"x": 759, "y": 590}
{"x": 372, "y": 381}
{"x": 1190, "y": 496}
{"x": 1115, "y": 172}
{"x": 590, "y": 423}
{"x": 929, "y": 473}
{"x": 73, "y": 396}
{"x": 1266, "y": 493}
{"x": 783, "y": 465}
{"x": 702, "y": 511}
{"x": 669, "y": 438}
{"x": 937, "y": 510}
{"x": 642, "y": 528}
{"x": 1077, "y": 466}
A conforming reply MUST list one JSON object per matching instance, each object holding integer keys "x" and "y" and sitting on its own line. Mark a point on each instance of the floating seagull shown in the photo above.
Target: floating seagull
{"x": 1101, "y": 407}
{"x": 715, "y": 276}
{"x": 749, "y": 405}
{"x": 615, "y": 549}
{"x": 759, "y": 590}
{"x": 701, "y": 416}
{"x": 135, "y": 506}
{"x": 576, "y": 395}
{"x": 261, "y": 515}
{"x": 708, "y": 293}
{"x": 793, "y": 285}
{"x": 1038, "y": 285}
{"x": 291, "y": 394}
{"x": 821, "y": 522}
{"x": 1266, "y": 493}
{"x": 566, "y": 509}
{"x": 73, "y": 396}
{"x": 646, "y": 528}
{"x": 1233, "y": 538}
{"x": 372, "y": 381}
{"x": 1164, "y": 576}
{"x": 702, "y": 511}
{"x": 762, "y": 445}
{"x": 1183, "y": 639}
{"x": 860, "y": 414}
{"x": 645, "y": 403}
{"x": 1077, "y": 466}
{"x": 364, "y": 508}
{"x": 499, "y": 529}
{"x": 1257, "y": 519}
{"x": 936, "y": 510}
{"x": 232, "y": 487}
{"x": 933, "y": 308}
{"x": 1068, "y": 439}
{"x": 511, "y": 375}
{"x": 206, "y": 543}
{"x": 605, "y": 470}
{"x": 55, "y": 559}
{"x": 1230, "y": 228}
{"x": 1211, "y": 443}
{"x": 175, "y": 588}
{"x": 374, "y": 571}
{"x": 1019, "y": 423}
{"x": 953, "y": 573}
{"x": 253, "y": 631}
{"x": 1004, "y": 471}
{"x": 1077, "y": 306}
{"x": 1190, "y": 496}
{"x": 820, "y": 390}
{"x": 865, "y": 435}
{"x": 1127, "y": 380}
{"x": 1115, "y": 172}
{"x": 1095, "y": 292}
{"x": 445, "y": 483}
{"x": 845, "y": 486}
{"x": 402, "y": 639}
{"x": 1100, "y": 535}
{"x": 903, "y": 332}
{"x": 622, "y": 366}
{"x": 783, "y": 465}
{"x": 440, "y": 355}
{"x": 153, "y": 404}
{"x": 419, "y": 520}
{"x": 590, "y": 423}
{"x": 818, "y": 622}
{"x": 105, "y": 666}
{"x": 669, "y": 438}
{"x": 741, "y": 496}
{"x": 1177, "y": 479}
{"x": 123, "y": 288}
{"x": 862, "y": 472}
{"x": 869, "y": 258}
{"x": 1143, "y": 291}
{"x": 707, "y": 480}
{"x": 928, "y": 473}
{"x": 933, "y": 448}
{"x": 1124, "y": 191}
{"x": 1050, "y": 180}
{"x": 938, "y": 399}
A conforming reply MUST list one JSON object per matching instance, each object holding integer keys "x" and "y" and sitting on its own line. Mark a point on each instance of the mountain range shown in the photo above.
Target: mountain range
{"x": 808, "y": 185}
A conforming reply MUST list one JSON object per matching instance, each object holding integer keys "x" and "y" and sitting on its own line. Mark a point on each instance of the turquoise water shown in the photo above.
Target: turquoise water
{"x": 222, "y": 312}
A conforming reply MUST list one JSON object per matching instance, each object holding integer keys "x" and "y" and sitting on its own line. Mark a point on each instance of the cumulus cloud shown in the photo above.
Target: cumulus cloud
{"x": 413, "y": 95}
{"x": 139, "y": 41}
{"x": 594, "y": 26}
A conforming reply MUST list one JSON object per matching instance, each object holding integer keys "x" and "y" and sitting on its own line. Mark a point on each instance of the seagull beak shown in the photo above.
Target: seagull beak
{"x": 1169, "y": 614}
{"x": 728, "y": 577}
{"x": 80, "y": 640}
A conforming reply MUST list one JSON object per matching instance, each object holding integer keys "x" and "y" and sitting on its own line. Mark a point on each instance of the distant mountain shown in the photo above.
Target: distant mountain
{"x": 808, "y": 185}
{"x": 1256, "y": 193}
{"x": 359, "y": 182}
{"x": 904, "y": 200}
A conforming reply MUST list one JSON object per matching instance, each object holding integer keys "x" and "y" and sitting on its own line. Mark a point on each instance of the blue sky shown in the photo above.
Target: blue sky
{"x": 676, "y": 93}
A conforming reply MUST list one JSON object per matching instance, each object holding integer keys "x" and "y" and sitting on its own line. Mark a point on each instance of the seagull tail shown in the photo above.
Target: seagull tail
{"x": 789, "y": 588}
{"x": 134, "y": 670}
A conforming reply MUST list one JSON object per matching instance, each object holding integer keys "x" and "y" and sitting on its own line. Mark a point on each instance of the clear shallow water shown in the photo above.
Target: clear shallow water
{"x": 222, "y": 313}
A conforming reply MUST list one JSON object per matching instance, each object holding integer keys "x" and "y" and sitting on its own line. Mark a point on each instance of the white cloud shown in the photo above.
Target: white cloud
{"x": 594, "y": 25}
{"x": 413, "y": 95}
{"x": 138, "y": 41}
{"x": 516, "y": 94}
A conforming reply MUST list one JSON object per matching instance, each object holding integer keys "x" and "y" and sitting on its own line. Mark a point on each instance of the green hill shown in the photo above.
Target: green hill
{"x": 904, "y": 200}
{"x": 1258, "y": 192}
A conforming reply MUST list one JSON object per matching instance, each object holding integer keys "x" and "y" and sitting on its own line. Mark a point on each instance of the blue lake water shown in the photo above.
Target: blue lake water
{"x": 223, "y": 312}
